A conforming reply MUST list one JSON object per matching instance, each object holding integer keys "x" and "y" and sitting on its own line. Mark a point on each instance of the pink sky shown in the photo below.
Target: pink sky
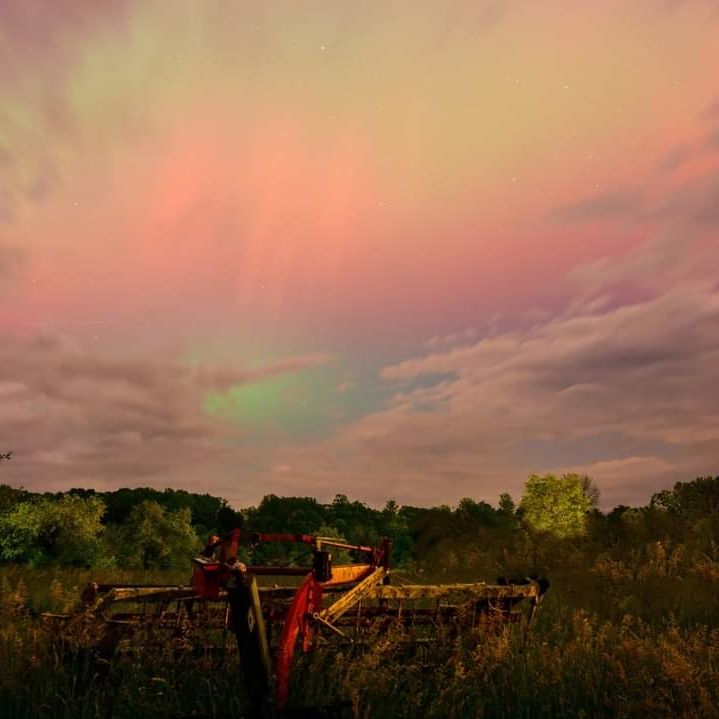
{"x": 421, "y": 250}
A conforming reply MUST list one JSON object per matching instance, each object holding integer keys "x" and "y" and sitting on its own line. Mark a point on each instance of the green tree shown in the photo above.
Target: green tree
{"x": 298, "y": 515}
{"x": 555, "y": 505}
{"x": 19, "y": 533}
{"x": 391, "y": 508}
{"x": 689, "y": 509}
{"x": 154, "y": 538}
{"x": 471, "y": 514}
{"x": 67, "y": 530}
{"x": 590, "y": 489}
{"x": 393, "y": 524}
{"x": 228, "y": 518}
{"x": 339, "y": 556}
{"x": 357, "y": 522}
{"x": 10, "y": 496}
{"x": 690, "y": 500}
{"x": 507, "y": 507}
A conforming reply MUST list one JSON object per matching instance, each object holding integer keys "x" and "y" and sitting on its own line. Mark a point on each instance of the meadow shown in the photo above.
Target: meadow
{"x": 604, "y": 644}
{"x": 628, "y": 628}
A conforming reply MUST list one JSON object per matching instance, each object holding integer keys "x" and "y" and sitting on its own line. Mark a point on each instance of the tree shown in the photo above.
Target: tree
{"x": 471, "y": 514}
{"x": 154, "y": 538}
{"x": 391, "y": 508}
{"x": 392, "y": 523}
{"x": 506, "y": 505}
{"x": 555, "y": 505}
{"x": 590, "y": 489}
{"x": 691, "y": 500}
{"x": 429, "y": 527}
{"x": 10, "y": 496}
{"x": 356, "y": 522}
{"x": 299, "y": 515}
{"x": 19, "y": 532}
{"x": 67, "y": 530}
{"x": 339, "y": 556}
{"x": 228, "y": 518}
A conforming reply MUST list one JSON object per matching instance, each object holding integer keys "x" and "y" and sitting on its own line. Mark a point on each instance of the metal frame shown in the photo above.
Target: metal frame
{"x": 252, "y": 610}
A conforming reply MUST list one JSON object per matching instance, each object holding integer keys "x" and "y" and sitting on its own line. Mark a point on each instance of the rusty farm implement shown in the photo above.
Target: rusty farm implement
{"x": 277, "y": 611}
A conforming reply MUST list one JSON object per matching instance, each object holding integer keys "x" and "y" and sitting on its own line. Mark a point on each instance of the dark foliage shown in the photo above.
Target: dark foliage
{"x": 487, "y": 539}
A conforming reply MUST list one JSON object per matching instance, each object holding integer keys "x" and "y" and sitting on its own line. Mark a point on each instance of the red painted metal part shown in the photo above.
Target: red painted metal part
{"x": 257, "y": 537}
{"x": 207, "y": 580}
{"x": 307, "y": 601}
{"x": 215, "y": 567}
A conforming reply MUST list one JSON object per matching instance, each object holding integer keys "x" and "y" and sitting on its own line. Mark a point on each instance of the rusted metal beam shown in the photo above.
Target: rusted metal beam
{"x": 476, "y": 591}
{"x": 356, "y": 594}
{"x": 339, "y": 544}
{"x": 153, "y": 594}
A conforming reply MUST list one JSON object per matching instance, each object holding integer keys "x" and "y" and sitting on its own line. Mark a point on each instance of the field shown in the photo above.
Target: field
{"x": 607, "y": 642}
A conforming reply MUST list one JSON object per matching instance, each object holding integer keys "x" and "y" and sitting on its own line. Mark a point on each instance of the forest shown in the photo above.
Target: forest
{"x": 556, "y": 517}
{"x": 629, "y": 626}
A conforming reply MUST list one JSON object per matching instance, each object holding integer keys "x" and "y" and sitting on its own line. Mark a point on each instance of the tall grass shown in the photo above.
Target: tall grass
{"x": 609, "y": 641}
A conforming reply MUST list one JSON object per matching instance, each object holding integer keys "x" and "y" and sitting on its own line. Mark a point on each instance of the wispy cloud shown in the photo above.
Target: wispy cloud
{"x": 686, "y": 152}
{"x": 606, "y": 205}
{"x": 693, "y": 206}
{"x": 711, "y": 111}
{"x": 638, "y": 373}
{"x": 7, "y": 207}
{"x": 617, "y": 385}
{"x": 75, "y": 417}
{"x": 12, "y": 259}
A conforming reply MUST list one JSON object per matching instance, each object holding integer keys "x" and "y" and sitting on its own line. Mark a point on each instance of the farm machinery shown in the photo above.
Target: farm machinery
{"x": 276, "y": 612}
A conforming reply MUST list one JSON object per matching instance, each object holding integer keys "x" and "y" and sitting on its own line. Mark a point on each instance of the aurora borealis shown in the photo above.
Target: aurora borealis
{"x": 409, "y": 250}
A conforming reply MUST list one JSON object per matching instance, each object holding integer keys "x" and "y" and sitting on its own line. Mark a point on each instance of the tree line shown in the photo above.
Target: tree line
{"x": 556, "y": 519}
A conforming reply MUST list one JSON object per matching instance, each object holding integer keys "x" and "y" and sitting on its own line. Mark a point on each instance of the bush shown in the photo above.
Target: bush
{"x": 67, "y": 530}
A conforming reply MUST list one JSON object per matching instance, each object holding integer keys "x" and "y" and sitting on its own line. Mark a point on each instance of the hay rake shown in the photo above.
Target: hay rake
{"x": 328, "y": 604}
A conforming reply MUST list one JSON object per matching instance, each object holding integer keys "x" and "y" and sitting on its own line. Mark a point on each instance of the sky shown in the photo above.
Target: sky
{"x": 395, "y": 249}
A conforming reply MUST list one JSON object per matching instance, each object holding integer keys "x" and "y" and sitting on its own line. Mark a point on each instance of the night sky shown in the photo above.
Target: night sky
{"x": 393, "y": 249}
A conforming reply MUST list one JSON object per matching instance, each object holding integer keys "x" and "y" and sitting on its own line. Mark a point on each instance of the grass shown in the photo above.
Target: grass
{"x": 606, "y": 643}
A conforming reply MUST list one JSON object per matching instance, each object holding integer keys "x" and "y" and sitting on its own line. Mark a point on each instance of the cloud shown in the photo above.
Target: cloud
{"x": 452, "y": 339}
{"x": 41, "y": 25}
{"x": 677, "y": 156}
{"x": 670, "y": 6}
{"x": 685, "y": 152}
{"x": 651, "y": 267}
{"x": 712, "y": 139}
{"x": 623, "y": 388}
{"x": 44, "y": 181}
{"x": 12, "y": 259}
{"x": 693, "y": 206}
{"x": 74, "y": 417}
{"x": 607, "y": 205}
{"x": 6, "y": 158}
{"x": 711, "y": 111}
{"x": 7, "y": 208}
{"x": 625, "y": 481}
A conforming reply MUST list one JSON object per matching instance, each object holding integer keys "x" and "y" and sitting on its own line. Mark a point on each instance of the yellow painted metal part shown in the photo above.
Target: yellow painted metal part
{"x": 356, "y": 594}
